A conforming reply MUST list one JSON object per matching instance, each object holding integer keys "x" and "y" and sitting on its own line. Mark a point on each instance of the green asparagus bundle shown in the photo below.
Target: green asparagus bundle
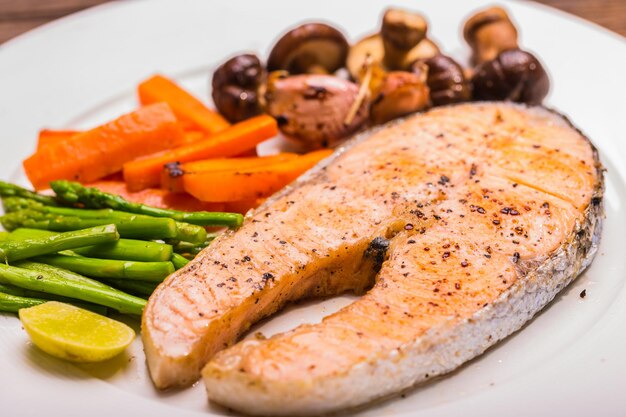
{"x": 23, "y": 212}
{"x": 110, "y": 268}
{"x": 123, "y": 249}
{"x": 49, "y": 279}
{"x": 12, "y": 190}
{"x": 12, "y": 250}
{"x": 73, "y": 193}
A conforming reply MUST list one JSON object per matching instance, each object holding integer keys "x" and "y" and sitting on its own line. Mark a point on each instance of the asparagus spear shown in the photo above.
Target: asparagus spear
{"x": 13, "y": 303}
{"x": 179, "y": 261}
{"x": 108, "y": 268}
{"x": 15, "y": 250}
{"x": 123, "y": 249}
{"x": 12, "y": 190}
{"x": 183, "y": 231}
{"x": 45, "y": 278}
{"x": 141, "y": 288}
{"x": 73, "y": 192}
{"x": 131, "y": 227}
{"x": 20, "y": 292}
{"x": 193, "y": 248}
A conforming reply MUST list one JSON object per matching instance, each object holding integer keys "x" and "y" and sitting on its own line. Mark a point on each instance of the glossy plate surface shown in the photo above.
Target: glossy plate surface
{"x": 82, "y": 70}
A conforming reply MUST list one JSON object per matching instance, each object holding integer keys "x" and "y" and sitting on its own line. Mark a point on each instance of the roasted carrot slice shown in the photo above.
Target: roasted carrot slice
{"x": 186, "y": 107}
{"x": 49, "y": 137}
{"x": 157, "y": 198}
{"x": 173, "y": 174}
{"x": 99, "y": 152}
{"x": 238, "y": 138}
{"x": 250, "y": 183}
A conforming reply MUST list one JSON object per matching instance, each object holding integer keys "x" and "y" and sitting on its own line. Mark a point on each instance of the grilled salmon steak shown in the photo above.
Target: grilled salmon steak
{"x": 457, "y": 225}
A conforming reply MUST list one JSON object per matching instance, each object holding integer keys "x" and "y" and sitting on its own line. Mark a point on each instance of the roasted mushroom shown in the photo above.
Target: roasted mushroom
{"x": 402, "y": 40}
{"x": 312, "y": 48}
{"x": 446, "y": 80}
{"x": 513, "y": 75}
{"x": 235, "y": 87}
{"x": 488, "y": 33}
{"x": 400, "y": 93}
{"x": 314, "y": 108}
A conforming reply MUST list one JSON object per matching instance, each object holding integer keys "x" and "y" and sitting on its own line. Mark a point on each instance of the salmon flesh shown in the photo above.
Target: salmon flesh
{"x": 457, "y": 225}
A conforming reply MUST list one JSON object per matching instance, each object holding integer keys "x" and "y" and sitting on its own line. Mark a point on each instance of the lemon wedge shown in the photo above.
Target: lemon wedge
{"x": 73, "y": 333}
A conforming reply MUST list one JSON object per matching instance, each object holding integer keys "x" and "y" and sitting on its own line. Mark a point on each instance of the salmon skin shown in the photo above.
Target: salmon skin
{"x": 457, "y": 225}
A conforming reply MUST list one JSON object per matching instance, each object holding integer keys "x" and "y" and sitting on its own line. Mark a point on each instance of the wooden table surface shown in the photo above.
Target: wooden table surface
{"x": 18, "y": 16}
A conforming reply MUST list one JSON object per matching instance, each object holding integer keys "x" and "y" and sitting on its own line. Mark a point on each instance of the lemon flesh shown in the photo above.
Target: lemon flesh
{"x": 75, "y": 334}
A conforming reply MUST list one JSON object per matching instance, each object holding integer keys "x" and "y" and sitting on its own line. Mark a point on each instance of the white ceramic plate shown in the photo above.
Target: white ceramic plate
{"x": 81, "y": 70}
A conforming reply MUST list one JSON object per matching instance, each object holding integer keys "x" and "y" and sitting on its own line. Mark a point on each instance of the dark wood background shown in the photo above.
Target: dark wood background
{"x": 18, "y": 16}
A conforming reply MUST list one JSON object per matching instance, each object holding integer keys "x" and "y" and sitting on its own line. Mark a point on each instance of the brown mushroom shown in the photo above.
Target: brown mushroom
{"x": 402, "y": 40}
{"x": 235, "y": 87}
{"x": 400, "y": 93}
{"x": 446, "y": 80}
{"x": 312, "y": 48}
{"x": 488, "y": 33}
{"x": 313, "y": 108}
{"x": 513, "y": 75}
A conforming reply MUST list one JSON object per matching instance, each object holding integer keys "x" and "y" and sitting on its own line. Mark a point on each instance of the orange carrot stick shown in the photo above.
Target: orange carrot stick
{"x": 186, "y": 107}
{"x": 49, "y": 137}
{"x": 99, "y": 152}
{"x": 238, "y": 138}
{"x": 172, "y": 175}
{"x": 250, "y": 183}
{"x": 157, "y": 198}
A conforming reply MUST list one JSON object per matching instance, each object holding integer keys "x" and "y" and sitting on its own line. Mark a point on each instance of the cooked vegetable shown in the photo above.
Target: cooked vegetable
{"x": 172, "y": 178}
{"x": 393, "y": 48}
{"x": 30, "y": 295}
{"x": 236, "y": 139}
{"x": 123, "y": 249}
{"x": 109, "y": 268}
{"x": 513, "y": 75}
{"x": 446, "y": 80}
{"x": 13, "y": 303}
{"x": 128, "y": 225}
{"x": 315, "y": 109}
{"x": 72, "y": 193}
{"x": 45, "y": 278}
{"x": 99, "y": 152}
{"x": 75, "y": 334}
{"x": 401, "y": 31}
{"x": 51, "y": 137}
{"x": 489, "y": 32}
{"x": 186, "y": 107}
{"x": 399, "y": 94}
{"x": 11, "y": 190}
{"x": 179, "y": 261}
{"x": 233, "y": 185}
{"x": 186, "y": 248}
{"x": 235, "y": 87}
{"x": 311, "y": 48}
{"x": 140, "y": 288}
{"x": 22, "y": 249}
{"x": 156, "y": 197}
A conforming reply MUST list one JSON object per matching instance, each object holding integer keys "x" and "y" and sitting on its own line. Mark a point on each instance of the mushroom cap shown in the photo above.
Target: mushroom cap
{"x": 513, "y": 75}
{"x": 403, "y": 29}
{"x": 482, "y": 18}
{"x": 311, "y": 45}
{"x": 372, "y": 48}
